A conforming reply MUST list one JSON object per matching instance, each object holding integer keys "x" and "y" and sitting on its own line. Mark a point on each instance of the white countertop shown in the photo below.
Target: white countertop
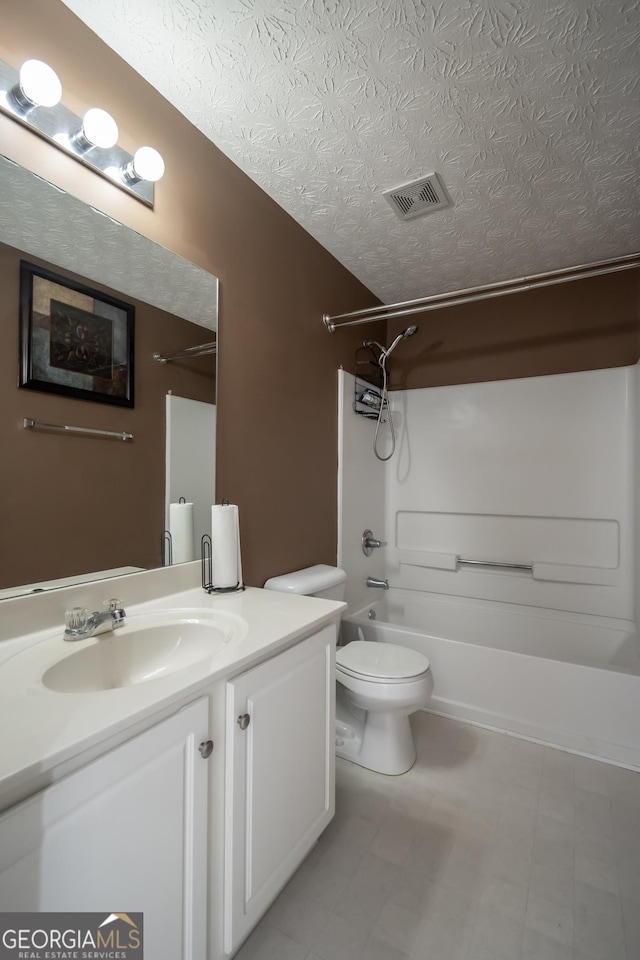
{"x": 42, "y": 729}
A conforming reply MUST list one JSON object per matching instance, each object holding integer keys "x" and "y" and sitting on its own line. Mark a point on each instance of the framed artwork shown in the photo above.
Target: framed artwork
{"x": 74, "y": 341}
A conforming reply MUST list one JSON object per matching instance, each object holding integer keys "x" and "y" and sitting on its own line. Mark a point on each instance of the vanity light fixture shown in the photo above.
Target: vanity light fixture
{"x": 32, "y": 95}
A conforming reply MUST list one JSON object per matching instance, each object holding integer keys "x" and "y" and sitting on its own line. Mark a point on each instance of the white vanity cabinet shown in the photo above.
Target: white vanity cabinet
{"x": 279, "y": 782}
{"x": 125, "y": 833}
{"x": 133, "y": 818}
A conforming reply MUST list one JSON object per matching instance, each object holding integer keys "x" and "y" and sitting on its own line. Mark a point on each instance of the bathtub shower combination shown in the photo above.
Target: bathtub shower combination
{"x": 511, "y": 515}
{"x": 550, "y": 676}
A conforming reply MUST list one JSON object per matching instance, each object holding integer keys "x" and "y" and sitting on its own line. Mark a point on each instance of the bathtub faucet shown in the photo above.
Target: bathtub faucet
{"x": 369, "y": 543}
{"x": 373, "y": 582}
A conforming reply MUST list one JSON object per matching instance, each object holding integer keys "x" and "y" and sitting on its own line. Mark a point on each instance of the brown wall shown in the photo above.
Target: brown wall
{"x": 277, "y": 442}
{"x": 72, "y": 504}
{"x": 581, "y": 325}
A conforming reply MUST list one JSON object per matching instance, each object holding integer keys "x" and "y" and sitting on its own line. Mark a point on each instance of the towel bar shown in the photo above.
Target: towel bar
{"x": 118, "y": 435}
{"x": 497, "y": 563}
{"x": 200, "y": 351}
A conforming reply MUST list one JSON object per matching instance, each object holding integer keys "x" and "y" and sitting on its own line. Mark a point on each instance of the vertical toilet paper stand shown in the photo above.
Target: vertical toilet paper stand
{"x": 166, "y": 548}
{"x": 207, "y": 569}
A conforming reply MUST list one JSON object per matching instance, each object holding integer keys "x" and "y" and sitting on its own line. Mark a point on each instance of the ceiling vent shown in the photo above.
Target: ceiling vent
{"x": 417, "y": 198}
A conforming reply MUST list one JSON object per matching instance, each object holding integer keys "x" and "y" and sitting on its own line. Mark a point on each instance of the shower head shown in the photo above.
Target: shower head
{"x": 383, "y": 401}
{"x": 409, "y": 332}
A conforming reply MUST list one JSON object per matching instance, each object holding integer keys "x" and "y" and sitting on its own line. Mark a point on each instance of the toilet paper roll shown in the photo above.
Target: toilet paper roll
{"x": 181, "y": 530}
{"x": 226, "y": 565}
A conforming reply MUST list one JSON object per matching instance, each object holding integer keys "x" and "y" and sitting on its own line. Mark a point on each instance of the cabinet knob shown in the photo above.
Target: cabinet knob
{"x": 243, "y": 721}
{"x": 206, "y": 748}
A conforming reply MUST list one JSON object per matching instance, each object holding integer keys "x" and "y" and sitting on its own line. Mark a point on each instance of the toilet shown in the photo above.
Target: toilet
{"x": 379, "y": 685}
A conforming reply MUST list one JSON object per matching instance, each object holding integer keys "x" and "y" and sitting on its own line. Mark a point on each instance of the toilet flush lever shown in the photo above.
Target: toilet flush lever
{"x": 369, "y": 543}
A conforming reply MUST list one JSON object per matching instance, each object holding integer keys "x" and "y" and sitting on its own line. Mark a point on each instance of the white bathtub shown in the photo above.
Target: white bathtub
{"x": 569, "y": 680}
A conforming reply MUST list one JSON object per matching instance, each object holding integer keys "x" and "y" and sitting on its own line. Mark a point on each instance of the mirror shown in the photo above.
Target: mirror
{"x": 86, "y": 505}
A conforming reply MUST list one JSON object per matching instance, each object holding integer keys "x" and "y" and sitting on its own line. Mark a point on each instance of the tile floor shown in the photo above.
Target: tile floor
{"x": 491, "y": 848}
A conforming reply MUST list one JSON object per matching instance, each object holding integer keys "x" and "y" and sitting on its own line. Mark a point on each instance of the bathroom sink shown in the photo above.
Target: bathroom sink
{"x": 146, "y": 648}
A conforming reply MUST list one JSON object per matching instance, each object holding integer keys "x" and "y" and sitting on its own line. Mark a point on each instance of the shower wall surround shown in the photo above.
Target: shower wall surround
{"x": 361, "y": 490}
{"x": 531, "y": 471}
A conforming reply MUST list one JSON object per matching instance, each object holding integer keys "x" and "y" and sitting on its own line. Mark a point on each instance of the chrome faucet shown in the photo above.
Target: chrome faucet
{"x": 373, "y": 582}
{"x": 80, "y": 625}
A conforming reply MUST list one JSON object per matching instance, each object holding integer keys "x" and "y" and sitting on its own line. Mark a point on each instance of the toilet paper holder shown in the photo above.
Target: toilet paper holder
{"x": 207, "y": 569}
{"x": 166, "y": 548}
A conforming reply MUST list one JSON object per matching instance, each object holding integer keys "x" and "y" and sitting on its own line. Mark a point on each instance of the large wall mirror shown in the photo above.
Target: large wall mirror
{"x": 85, "y": 504}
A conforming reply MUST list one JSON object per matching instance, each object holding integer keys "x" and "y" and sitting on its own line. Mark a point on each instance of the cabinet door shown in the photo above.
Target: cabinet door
{"x": 126, "y": 833}
{"x": 280, "y": 775}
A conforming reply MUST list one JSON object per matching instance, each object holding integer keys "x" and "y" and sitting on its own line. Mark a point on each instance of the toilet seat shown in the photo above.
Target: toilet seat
{"x": 380, "y": 662}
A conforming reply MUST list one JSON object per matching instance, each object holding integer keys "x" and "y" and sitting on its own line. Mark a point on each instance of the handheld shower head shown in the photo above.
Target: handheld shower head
{"x": 409, "y": 332}
{"x": 383, "y": 406}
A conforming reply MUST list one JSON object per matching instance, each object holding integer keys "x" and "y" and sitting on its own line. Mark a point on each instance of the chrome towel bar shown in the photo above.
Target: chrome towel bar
{"x": 28, "y": 423}
{"x": 497, "y": 563}
{"x": 200, "y": 351}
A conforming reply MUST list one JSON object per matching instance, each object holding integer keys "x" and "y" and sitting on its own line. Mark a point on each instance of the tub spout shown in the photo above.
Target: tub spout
{"x": 373, "y": 582}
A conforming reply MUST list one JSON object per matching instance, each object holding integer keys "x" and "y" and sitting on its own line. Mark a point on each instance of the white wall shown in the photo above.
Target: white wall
{"x": 534, "y": 470}
{"x": 539, "y": 470}
{"x": 360, "y": 494}
{"x": 191, "y": 460}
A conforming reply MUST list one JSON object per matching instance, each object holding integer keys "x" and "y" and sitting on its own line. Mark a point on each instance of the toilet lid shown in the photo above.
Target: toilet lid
{"x": 381, "y": 660}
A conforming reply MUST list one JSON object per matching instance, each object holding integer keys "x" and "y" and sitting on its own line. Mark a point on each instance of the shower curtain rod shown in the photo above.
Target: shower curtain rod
{"x": 200, "y": 351}
{"x": 391, "y": 310}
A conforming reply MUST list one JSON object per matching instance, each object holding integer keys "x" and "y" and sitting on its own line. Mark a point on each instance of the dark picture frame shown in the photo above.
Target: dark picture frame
{"x": 74, "y": 341}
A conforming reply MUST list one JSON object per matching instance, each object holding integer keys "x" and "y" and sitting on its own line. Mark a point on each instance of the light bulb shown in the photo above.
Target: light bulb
{"x": 147, "y": 164}
{"x": 39, "y": 86}
{"x": 99, "y": 128}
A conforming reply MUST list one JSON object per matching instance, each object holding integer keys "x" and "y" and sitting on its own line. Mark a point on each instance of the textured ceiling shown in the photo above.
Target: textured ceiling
{"x": 527, "y": 110}
{"x": 35, "y": 218}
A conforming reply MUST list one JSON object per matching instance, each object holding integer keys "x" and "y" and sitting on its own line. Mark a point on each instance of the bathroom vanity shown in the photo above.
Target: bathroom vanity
{"x": 184, "y": 785}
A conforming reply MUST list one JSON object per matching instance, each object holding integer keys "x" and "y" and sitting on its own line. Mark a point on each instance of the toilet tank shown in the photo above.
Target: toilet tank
{"x": 320, "y": 580}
